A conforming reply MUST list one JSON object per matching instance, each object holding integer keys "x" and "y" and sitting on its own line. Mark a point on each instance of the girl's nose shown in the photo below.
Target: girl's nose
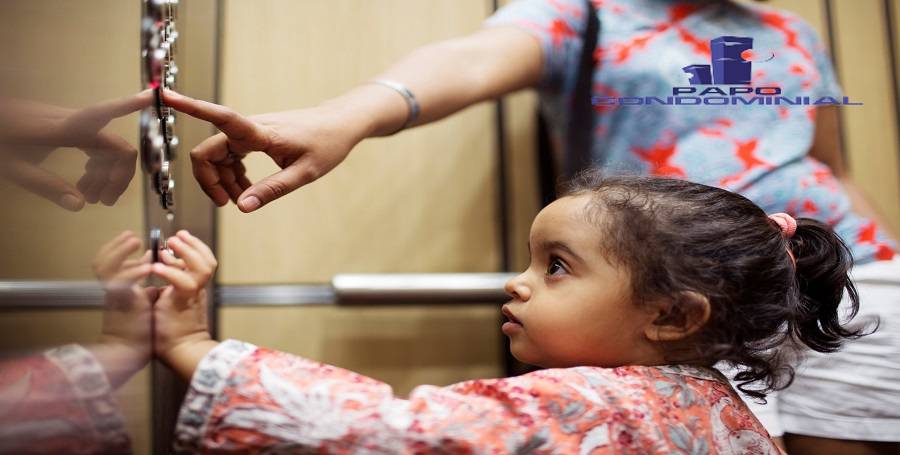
{"x": 517, "y": 287}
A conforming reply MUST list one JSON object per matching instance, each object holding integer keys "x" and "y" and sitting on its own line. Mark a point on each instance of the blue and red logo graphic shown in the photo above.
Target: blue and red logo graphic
{"x": 727, "y": 63}
{"x": 731, "y": 61}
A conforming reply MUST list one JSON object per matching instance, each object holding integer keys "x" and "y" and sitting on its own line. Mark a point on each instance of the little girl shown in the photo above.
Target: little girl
{"x": 636, "y": 288}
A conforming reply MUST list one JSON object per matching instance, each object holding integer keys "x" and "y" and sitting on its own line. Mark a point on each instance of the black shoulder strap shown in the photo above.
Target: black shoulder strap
{"x": 581, "y": 120}
{"x": 580, "y": 136}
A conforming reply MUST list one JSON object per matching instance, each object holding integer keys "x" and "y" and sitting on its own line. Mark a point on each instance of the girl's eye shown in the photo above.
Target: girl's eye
{"x": 556, "y": 267}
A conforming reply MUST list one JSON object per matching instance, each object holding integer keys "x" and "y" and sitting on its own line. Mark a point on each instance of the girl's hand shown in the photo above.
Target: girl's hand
{"x": 111, "y": 264}
{"x": 306, "y": 144}
{"x": 125, "y": 337}
{"x": 126, "y": 313}
{"x": 181, "y": 314}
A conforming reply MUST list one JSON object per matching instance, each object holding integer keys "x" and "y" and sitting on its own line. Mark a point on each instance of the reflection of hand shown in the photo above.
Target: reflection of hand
{"x": 125, "y": 339}
{"x": 306, "y": 144}
{"x": 180, "y": 312}
{"x": 29, "y": 131}
{"x": 111, "y": 264}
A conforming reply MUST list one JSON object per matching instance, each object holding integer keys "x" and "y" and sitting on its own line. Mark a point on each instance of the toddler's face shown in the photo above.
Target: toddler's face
{"x": 573, "y": 307}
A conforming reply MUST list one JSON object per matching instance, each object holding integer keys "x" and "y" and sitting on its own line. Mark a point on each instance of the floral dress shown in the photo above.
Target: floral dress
{"x": 254, "y": 400}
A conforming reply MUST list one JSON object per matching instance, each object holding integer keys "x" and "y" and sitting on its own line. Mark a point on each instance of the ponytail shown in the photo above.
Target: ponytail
{"x": 823, "y": 263}
{"x": 774, "y": 283}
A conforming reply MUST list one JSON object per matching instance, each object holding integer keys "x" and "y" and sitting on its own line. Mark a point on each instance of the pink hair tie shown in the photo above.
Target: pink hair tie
{"x": 786, "y": 222}
{"x": 788, "y": 227}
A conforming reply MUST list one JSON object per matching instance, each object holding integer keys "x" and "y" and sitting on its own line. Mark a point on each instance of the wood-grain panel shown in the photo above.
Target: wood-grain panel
{"x": 421, "y": 201}
{"x": 870, "y": 131}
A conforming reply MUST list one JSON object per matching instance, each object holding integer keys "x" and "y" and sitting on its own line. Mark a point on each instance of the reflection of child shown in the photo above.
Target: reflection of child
{"x": 61, "y": 400}
{"x": 636, "y": 287}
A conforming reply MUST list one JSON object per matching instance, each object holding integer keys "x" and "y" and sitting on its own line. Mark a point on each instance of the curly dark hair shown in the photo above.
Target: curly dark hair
{"x": 676, "y": 236}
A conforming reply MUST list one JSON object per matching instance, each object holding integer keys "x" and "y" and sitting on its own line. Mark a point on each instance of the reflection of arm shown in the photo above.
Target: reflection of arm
{"x": 59, "y": 402}
{"x": 447, "y": 77}
{"x": 827, "y": 149}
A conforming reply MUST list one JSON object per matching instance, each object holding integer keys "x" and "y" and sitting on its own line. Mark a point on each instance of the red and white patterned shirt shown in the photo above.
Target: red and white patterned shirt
{"x": 253, "y": 400}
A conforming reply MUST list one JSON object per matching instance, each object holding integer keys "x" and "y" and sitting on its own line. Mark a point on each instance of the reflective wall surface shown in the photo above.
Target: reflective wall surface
{"x": 68, "y": 79}
{"x": 79, "y": 207}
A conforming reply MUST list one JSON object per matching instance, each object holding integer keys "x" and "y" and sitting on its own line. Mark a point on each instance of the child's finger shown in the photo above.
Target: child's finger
{"x": 111, "y": 257}
{"x": 126, "y": 234}
{"x": 144, "y": 259}
{"x": 192, "y": 258}
{"x": 111, "y": 245}
{"x": 198, "y": 245}
{"x": 133, "y": 274}
{"x": 113, "y": 242}
{"x": 181, "y": 280}
{"x": 152, "y": 293}
{"x": 126, "y": 245}
{"x": 169, "y": 259}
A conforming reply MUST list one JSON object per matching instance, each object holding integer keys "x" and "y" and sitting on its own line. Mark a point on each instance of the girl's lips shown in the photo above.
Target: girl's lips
{"x": 508, "y": 313}
{"x": 510, "y": 327}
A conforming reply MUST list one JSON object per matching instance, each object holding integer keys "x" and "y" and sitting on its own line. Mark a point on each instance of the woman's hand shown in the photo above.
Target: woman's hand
{"x": 30, "y": 131}
{"x": 306, "y": 144}
{"x": 181, "y": 314}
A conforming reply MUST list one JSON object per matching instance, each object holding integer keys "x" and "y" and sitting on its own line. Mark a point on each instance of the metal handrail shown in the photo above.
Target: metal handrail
{"x": 419, "y": 288}
{"x": 50, "y": 294}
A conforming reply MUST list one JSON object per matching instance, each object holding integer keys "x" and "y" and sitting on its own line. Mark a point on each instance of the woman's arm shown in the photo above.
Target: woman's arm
{"x": 451, "y": 75}
{"x": 445, "y": 77}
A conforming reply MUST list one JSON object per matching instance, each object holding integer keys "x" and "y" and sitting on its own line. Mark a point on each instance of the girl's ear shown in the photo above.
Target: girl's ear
{"x": 679, "y": 317}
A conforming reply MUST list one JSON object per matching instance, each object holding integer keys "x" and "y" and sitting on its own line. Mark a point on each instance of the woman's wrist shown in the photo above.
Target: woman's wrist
{"x": 370, "y": 110}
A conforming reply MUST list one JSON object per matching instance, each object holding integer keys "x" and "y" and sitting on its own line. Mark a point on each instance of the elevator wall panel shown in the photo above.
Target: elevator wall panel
{"x": 404, "y": 347}
{"x": 870, "y": 131}
{"x": 423, "y": 201}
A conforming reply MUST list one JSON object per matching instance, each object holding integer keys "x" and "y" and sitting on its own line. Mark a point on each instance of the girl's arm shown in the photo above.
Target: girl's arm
{"x": 180, "y": 312}
{"x": 184, "y": 358}
{"x": 245, "y": 399}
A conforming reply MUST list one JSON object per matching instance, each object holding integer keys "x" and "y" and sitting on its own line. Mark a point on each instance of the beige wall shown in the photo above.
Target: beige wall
{"x": 870, "y": 132}
{"x": 402, "y": 346}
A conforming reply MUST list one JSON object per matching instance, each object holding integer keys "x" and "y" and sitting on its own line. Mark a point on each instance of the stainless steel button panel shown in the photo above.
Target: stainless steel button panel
{"x": 158, "y": 140}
